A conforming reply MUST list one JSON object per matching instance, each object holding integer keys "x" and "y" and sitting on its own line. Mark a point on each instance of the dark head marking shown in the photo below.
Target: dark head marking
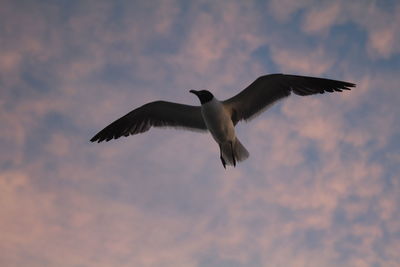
{"x": 204, "y": 95}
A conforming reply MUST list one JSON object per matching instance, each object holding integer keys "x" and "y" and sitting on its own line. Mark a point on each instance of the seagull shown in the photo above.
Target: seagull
{"x": 220, "y": 117}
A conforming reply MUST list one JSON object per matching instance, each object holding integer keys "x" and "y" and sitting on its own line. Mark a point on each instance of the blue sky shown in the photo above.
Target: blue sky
{"x": 321, "y": 186}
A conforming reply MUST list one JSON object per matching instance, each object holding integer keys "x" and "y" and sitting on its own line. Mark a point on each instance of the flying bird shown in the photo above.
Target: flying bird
{"x": 220, "y": 117}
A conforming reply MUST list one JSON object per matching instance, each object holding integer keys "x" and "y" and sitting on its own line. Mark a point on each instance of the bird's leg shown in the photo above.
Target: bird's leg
{"x": 220, "y": 156}
{"x": 233, "y": 155}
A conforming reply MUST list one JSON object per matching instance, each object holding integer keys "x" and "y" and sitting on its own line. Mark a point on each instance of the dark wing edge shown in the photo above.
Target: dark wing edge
{"x": 154, "y": 114}
{"x": 268, "y": 89}
{"x": 305, "y": 85}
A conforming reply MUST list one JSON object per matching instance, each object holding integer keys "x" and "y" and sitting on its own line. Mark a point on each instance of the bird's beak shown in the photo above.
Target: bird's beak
{"x": 193, "y": 92}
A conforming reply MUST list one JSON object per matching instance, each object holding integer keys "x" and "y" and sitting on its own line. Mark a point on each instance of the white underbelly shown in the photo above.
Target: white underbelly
{"x": 218, "y": 122}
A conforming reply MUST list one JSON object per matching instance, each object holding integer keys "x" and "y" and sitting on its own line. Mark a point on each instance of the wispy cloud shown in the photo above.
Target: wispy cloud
{"x": 321, "y": 18}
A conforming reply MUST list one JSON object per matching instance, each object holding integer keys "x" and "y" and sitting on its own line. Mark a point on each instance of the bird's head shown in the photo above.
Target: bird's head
{"x": 204, "y": 95}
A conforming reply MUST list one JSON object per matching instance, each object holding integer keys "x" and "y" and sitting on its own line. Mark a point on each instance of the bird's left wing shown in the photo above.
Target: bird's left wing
{"x": 268, "y": 89}
{"x": 157, "y": 114}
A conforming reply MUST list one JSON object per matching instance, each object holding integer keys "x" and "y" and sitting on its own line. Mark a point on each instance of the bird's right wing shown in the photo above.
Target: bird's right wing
{"x": 268, "y": 89}
{"x": 157, "y": 114}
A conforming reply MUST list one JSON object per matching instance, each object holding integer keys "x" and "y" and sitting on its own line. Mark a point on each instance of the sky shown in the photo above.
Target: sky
{"x": 321, "y": 186}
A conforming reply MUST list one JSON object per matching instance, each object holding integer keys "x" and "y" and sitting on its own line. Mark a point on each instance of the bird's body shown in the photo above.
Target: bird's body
{"x": 218, "y": 121}
{"x": 220, "y": 117}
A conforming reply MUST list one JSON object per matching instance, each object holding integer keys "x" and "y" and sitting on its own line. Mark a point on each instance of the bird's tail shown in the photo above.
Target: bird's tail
{"x": 233, "y": 152}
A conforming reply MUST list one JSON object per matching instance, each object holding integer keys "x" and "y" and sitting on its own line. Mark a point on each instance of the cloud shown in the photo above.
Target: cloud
{"x": 282, "y": 10}
{"x": 379, "y": 21}
{"x": 218, "y": 37}
{"x": 383, "y": 42}
{"x": 381, "y": 25}
{"x": 321, "y": 18}
{"x": 307, "y": 61}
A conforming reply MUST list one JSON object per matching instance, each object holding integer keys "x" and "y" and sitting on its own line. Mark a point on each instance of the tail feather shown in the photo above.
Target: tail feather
{"x": 239, "y": 151}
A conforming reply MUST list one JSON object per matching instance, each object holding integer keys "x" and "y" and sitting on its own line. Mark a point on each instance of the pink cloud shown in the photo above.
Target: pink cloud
{"x": 380, "y": 24}
{"x": 321, "y": 18}
{"x": 9, "y": 61}
{"x": 383, "y": 32}
{"x": 307, "y": 61}
{"x": 383, "y": 41}
{"x": 282, "y": 10}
